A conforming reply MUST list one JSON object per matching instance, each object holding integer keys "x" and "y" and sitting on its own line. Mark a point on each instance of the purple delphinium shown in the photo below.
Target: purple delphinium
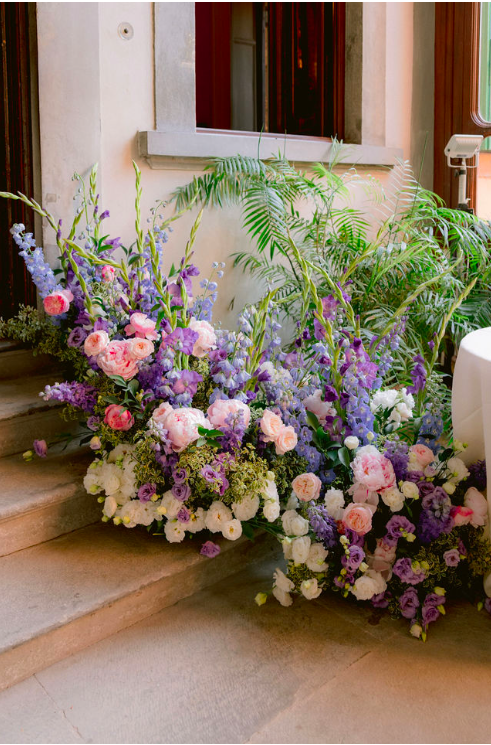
{"x": 404, "y": 570}
{"x": 80, "y": 395}
{"x": 477, "y": 474}
{"x": 181, "y": 491}
{"x": 451, "y": 557}
{"x": 418, "y": 375}
{"x": 210, "y": 549}
{"x": 181, "y": 340}
{"x": 323, "y": 525}
{"x": 187, "y": 382}
{"x": 409, "y": 602}
{"x": 40, "y": 448}
{"x": 397, "y": 453}
{"x": 397, "y": 525}
{"x": 146, "y": 492}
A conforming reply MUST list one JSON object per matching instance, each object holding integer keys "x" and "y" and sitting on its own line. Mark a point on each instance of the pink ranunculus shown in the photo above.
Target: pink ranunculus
{"x": 95, "y": 343}
{"x": 140, "y": 348}
{"x": 108, "y": 273}
{"x": 57, "y": 302}
{"x": 422, "y": 454}
{"x": 271, "y": 425}
{"x": 373, "y": 470}
{"x": 141, "y": 326}
{"x": 317, "y": 406}
{"x": 461, "y": 515}
{"x": 117, "y": 359}
{"x": 117, "y": 417}
{"x": 479, "y": 506}
{"x": 307, "y": 486}
{"x": 221, "y": 409}
{"x": 357, "y": 517}
{"x": 206, "y": 340}
{"x": 286, "y": 440}
{"x": 181, "y": 424}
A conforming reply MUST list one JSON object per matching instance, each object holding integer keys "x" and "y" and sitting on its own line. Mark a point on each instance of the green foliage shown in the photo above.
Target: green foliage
{"x": 286, "y": 468}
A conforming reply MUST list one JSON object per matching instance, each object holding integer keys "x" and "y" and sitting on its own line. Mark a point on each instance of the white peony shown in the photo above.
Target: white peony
{"x": 457, "y": 469}
{"x": 216, "y": 517}
{"x": 169, "y": 506}
{"x": 196, "y": 521}
{"x": 316, "y": 558}
{"x": 384, "y": 399}
{"x": 294, "y": 524}
{"x": 232, "y": 530}
{"x": 110, "y": 506}
{"x": 393, "y": 498}
{"x": 301, "y": 549}
{"x": 246, "y": 509}
{"x": 334, "y": 501}
{"x": 282, "y": 597}
{"x": 175, "y": 531}
{"x": 310, "y": 589}
{"x": 282, "y": 582}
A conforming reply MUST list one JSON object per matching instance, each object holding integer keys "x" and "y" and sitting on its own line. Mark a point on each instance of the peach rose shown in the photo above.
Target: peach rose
{"x": 57, "y": 302}
{"x": 117, "y": 417}
{"x": 307, "y": 486}
{"x": 286, "y": 440}
{"x": 221, "y": 409}
{"x": 422, "y": 454}
{"x": 271, "y": 425}
{"x": 140, "y": 348}
{"x": 461, "y": 515}
{"x": 108, "y": 273}
{"x": 317, "y": 406}
{"x": 479, "y": 506}
{"x": 206, "y": 340}
{"x": 141, "y": 326}
{"x": 116, "y": 359}
{"x": 372, "y": 469}
{"x": 181, "y": 424}
{"x": 358, "y": 518}
{"x": 95, "y": 343}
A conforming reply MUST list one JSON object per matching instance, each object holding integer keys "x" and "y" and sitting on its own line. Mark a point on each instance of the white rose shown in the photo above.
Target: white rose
{"x": 300, "y": 549}
{"x": 246, "y": 509}
{"x": 310, "y": 589}
{"x": 216, "y": 517}
{"x": 351, "y": 442}
{"x": 393, "y": 498}
{"x": 317, "y": 555}
{"x": 334, "y": 501}
{"x": 282, "y": 582}
{"x": 175, "y": 531}
{"x": 294, "y": 524}
{"x": 110, "y": 506}
{"x": 457, "y": 469}
{"x": 282, "y": 597}
{"x": 196, "y": 521}
{"x": 271, "y": 511}
{"x": 232, "y": 530}
{"x": 410, "y": 490}
{"x": 169, "y": 506}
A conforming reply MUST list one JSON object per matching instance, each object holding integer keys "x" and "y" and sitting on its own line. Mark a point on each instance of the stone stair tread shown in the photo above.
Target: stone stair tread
{"x": 8, "y": 345}
{"x": 53, "y": 584}
{"x": 20, "y": 396}
{"x": 29, "y": 486}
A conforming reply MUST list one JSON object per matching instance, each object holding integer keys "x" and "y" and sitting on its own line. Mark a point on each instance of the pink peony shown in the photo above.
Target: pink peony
{"x": 479, "y": 506}
{"x": 286, "y": 440}
{"x": 117, "y": 417}
{"x": 140, "y": 348}
{"x": 317, "y": 406}
{"x": 181, "y": 424}
{"x": 423, "y": 455}
{"x": 117, "y": 359}
{"x": 372, "y": 469}
{"x": 141, "y": 326}
{"x": 362, "y": 493}
{"x": 307, "y": 486}
{"x": 57, "y": 302}
{"x": 271, "y": 425}
{"x": 461, "y": 515}
{"x": 357, "y": 517}
{"x": 206, "y": 340}
{"x": 108, "y": 273}
{"x": 221, "y": 409}
{"x": 95, "y": 343}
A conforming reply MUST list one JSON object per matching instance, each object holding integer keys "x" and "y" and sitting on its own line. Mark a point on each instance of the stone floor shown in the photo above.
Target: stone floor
{"x": 215, "y": 668}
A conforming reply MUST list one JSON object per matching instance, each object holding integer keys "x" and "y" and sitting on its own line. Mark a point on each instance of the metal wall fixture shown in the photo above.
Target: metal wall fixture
{"x": 125, "y": 30}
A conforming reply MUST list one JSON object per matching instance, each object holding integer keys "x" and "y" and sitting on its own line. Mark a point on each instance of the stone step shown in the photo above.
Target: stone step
{"x": 16, "y": 361}
{"x": 43, "y": 499}
{"x": 25, "y": 416}
{"x": 64, "y": 595}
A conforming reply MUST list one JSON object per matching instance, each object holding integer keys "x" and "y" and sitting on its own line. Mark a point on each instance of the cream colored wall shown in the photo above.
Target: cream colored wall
{"x": 97, "y": 92}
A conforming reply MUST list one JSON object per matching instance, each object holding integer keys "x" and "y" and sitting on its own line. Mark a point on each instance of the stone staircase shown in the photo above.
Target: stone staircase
{"x": 66, "y": 579}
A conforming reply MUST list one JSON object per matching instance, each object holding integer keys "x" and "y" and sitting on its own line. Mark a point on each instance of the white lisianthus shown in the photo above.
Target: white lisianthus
{"x": 121, "y": 451}
{"x": 196, "y": 521}
{"x": 146, "y": 513}
{"x": 175, "y": 531}
{"x": 282, "y": 582}
{"x": 169, "y": 506}
{"x": 293, "y": 502}
{"x": 216, "y": 517}
{"x": 393, "y": 498}
{"x": 271, "y": 508}
{"x": 449, "y": 487}
{"x": 381, "y": 584}
{"x": 352, "y": 442}
{"x": 284, "y": 598}
{"x": 92, "y": 480}
{"x": 416, "y": 630}
{"x": 316, "y": 558}
{"x": 129, "y": 513}
{"x": 110, "y": 506}
{"x": 287, "y": 548}
{"x": 310, "y": 589}
{"x": 301, "y": 549}
{"x": 246, "y": 509}
{"x": 294, "y": 524}
{"x": 457, "y": 469}
{"x": 271, "y": 511}
{"x": 370, "y": 584}
{"x": 410, "y": 490}
{"x": 334, "y": 501}
{"x": 232, "y": 530}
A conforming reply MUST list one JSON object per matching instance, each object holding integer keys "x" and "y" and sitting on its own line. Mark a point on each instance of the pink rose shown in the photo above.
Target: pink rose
{"x": 141, "y": 326}
{"x": 271, "y": 425}
{"x": 373, "y": 470}
{"x": 286, "y": 440}
{"x": 317, "y": 406}
{"x": 358, "y": 518}
{"x": 57, "y": 302}
{"x": 108, "y": 273}
{"x": 206, "y": 340}
{"x": 95, "y": 343}
{"x": 479, "y": 506}
{"x": 116, "y": 359}
{"x": 307, "y": 486}
{"x": 221, "y": 409}
{"x": 422, "y": 454}
{"x": 181, "y": 424}
{"x": 461, "y": 515}
{"x": 117, "y": 417}
{"x": 140, "y": 348}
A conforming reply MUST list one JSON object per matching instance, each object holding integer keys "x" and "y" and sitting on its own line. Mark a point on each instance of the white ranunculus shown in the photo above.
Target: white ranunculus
{"x": 169, "y": 506}
{"x": 294, "y": 524}
{"x": 271, "y": 511}
{"x": 196, "y": 521}
{"x": 110, "y": 506}
{"x": 352, "y": 442}
{"x": 300, "y": 549}
{"x": 282, "y": 582}
{"x": 458, "y": 470}
{"x": 393, "y": 498}
{"x": 216, "y": 517}
{"x": 282, "y": 597}
{"x": 232, "y": 530}
{"x": 310, "y": 589}
{"x": 316, "y": 558}
{"x": 175, "y": 531}
{"x": 334, "y": 501}
{"x": 246, "y": 509}
{"x": 410, "y": 490}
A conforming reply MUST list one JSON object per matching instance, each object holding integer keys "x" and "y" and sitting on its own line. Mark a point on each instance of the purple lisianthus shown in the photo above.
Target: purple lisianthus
{"x": 146, "y": 492}
{"x": 93, "y": 423}
{"x": 430, "y": 614}
{"x": 210, "y": 549}
{"x": 452, "y": 557}
{"x": 40, "y": 448}
{"x": 409, "y": 602}
{"x": 354, "y": 558}
{"x": 397, "y": 525}
{"x": 179, "y": 475}
{"x": 76, "y": 337}
{"x": 404, "y": 570}
{"x": 425, "y": 488}
{"x": 183, "y": 515}
{"x": 487, "y": 605}
{"x": 209, "y": 474}
{"x": 434, "y": 599}
{"x": 380, "y": 600}
{"x": 415, "y": 476}
{"x": 181, "y": 491}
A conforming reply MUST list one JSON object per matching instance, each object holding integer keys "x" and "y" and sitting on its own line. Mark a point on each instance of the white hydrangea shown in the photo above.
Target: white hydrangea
{"x": 216, "y": 517}
{"x": 316, "y": 558}
{"x": 246, "y": 509}
{"x": 334, "y": 501}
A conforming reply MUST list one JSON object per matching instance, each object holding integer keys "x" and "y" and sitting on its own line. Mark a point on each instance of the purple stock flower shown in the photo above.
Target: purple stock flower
{"x": 210, "y": 549}
{"x": 40, "y": 448}
{"x": 146, "y": 492}
{"x": 404, "y": 570}
{"x": 409, "y": 602}
{"x": 452, "y": 557}
{"x": 181, "y": 491}
{"x": 76, "y": 337}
